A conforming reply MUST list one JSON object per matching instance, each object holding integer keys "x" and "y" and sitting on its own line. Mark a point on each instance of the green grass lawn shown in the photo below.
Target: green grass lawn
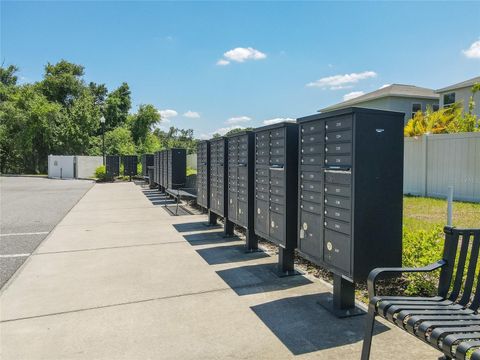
{"x": 421, "y": 213}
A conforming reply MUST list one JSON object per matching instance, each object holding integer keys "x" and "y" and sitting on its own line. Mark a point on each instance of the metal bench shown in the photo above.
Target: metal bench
{"x": 450, "y": 321}
{"x": 183, "y": 191}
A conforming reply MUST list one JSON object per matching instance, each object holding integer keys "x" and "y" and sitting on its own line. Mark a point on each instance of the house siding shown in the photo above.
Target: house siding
{"x": 463, "y": 96}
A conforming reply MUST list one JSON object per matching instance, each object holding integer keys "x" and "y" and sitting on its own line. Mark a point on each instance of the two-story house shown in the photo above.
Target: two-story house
{"x": 461, "y": 93}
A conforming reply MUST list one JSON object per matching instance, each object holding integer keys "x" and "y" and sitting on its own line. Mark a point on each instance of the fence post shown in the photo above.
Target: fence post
{"x": 425, "y": 169}
{"x": 450, "y": 206}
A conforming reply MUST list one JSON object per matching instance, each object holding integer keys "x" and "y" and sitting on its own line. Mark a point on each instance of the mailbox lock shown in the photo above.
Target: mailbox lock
{"x": 326, "y": 126}
{"x": 326, "y": 189}
{"x": 239, "y": 211}
{"x": 329, "y": 246}
{"x": 273, "y": 224}
{"x": 258, "y": 211}
{"x": 305, "y": 226}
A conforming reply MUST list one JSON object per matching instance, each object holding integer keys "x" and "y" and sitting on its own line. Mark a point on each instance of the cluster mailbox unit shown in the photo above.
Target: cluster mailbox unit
{"x": 241, "y": 184}
{"x": 203, "y": 174}
{"x": 162, "y": 170}
{"x": 147, "y": 160}
{"x": 156, "y": 161}
{"x": 176, "y": 168}
{"x": 276, "y": 168}
{"x": 218, "y": 168}
{"x": 350, "y": 196}
{"x": 112, "y": 166}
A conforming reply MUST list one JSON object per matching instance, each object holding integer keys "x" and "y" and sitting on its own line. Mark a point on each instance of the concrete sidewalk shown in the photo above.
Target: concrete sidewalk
{"x": 119, "y": 278}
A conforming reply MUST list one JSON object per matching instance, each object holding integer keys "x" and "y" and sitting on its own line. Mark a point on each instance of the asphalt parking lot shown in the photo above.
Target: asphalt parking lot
{"x": 30, "y": 209}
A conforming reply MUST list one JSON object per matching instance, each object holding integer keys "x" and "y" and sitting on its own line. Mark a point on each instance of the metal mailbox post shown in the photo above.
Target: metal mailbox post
{"x": 241, "y": 184}
{"x": 350, "y": 196}
{"x": 203, "y": 174}
{"x": 276, "y": 168}
{"x": 176, "y": 168}
{"x": 218, "y": 184}
{"x": 147, "y": 160}
{"x": 112, "y": 166}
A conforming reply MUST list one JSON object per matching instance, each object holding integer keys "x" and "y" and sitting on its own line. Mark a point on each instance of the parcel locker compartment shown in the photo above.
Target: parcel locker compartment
{"x": 340, "y": 123}
{"x": 312, "y": 175}
{"x": 316, "y": 197}
{"x": 280, "y": 209}
{"x": 277, "y": 190}
{"x": 337, "y": 201}
{"x": 338, "y": 160}
{"x": 311, "y": 234}
{"x": 312, "y": 160}
{"x": 232, "y": 205}
{"x": 277, "y": 160}
{"x": 277, "y": 151}
{"x": 339, "y": 190}
{"x": 277, "y": 181}
{"x": 311, "y": 186}
{"x": 262, "y": 180}
{"x": 313, "y": 127}
{"x": 261, "y": 216}
{"x": 263, "y": 152}
{"x": 313, "y": 138}
{"x": 336, "y": 250}
{"x": 261, "y": 172}
{"x": 338, "y": 136}
{"x": 262, "y": 160}
{"x": 242, "y": 213}
{"x": 338, "y": 177}
{"x": 275, "y": 199}
{"x": 277, "y": 143}
{"x": 277, "y": 133}
{"x": 337, "y": 213}
{"x": 277, "y": 227}
{"x": 262, "y": 187}
{"x": 308, "y": 149}
{"x": 262, "y": 196}
{"x": 338, "y": 225}
{"x": 339, "y": 148}
{"x": 311, "y": 207}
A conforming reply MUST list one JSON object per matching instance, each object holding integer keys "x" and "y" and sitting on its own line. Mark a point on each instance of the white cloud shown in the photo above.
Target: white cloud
{"x": 221, "y": 131}
{"x": 167, "y": 113}
{"x": 223, "y": 62}
{"x": 384, "y": 86}
{"x": 238, "y": 119}
{"x": 276, "y": 120}
{"x": 473, "y": 52}
{"x": 240, "y": 54}
{"x": 336, "y": 82}
{"x": 352, "y": 95}
{"x": 192, "y": 114}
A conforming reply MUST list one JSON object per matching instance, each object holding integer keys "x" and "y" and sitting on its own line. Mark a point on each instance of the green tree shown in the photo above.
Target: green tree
{"x": 119, "y": 142}
{"x": 143, "y": 121}
{"x": 7, "y": 75}
{"x": 62, "y": 82}
{"x": 117, "y": 106}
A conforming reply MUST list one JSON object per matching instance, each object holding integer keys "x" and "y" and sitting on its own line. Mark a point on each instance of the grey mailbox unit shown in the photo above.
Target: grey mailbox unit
{"x": 218, "y": 184}
{"x": 156, "y": 162}
{"x": 147, "y": 160}
{"x": 176, "y": 168}
{"x": 276, "y": 169}
{"x": 350, "y": 196}
{"x": 164, "y": 167}
{"x": 203, "y": 174}
{"x": 130, "y": 163}
{"x": 241, "y": 184}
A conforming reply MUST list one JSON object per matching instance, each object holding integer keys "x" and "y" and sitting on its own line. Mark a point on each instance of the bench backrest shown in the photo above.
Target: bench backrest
{"x": 460, "y": 275}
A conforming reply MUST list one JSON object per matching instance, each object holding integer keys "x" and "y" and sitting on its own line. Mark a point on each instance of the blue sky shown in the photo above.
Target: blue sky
{"x": 174, "y": 54}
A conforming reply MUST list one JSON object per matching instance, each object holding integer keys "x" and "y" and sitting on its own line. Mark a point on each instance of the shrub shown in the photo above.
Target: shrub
{"x": 101, "y": 173}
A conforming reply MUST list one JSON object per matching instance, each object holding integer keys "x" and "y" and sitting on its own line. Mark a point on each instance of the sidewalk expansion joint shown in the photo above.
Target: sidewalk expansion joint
{"x": 114, "y": 305}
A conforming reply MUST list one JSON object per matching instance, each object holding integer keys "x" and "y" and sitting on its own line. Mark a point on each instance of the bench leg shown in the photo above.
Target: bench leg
{"x": 367, "y": 341}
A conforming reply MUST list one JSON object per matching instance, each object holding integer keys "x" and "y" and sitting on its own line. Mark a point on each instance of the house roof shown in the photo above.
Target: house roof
{"x": 398, "y": 90}
{"x": 460, "y": 85}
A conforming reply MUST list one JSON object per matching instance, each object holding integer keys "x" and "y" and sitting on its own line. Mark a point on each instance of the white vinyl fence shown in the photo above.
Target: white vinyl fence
{"x": 192, "y": 161}
{"x": 73, "y": 166}
{"x": 86, "y": 166}
{"x": 432, "y": 163}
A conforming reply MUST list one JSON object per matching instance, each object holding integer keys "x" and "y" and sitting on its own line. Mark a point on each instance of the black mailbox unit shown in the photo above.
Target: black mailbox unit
{"x": 130, "y": 165}
{"x": 203, "y": 174}
{"x": 177, "y": 168}
{"x": 241, "y": 184}
{"x": 276, "y": 168}
{"x": 218, "y": 183}
{"x": 164, "y": 167}
{"x": 147, "y": 160}
{"x": 162, "y": 172}
{"x": 350, "y": 196}
{"x": 112, "y": 166}
{"x": 156, "y": 172}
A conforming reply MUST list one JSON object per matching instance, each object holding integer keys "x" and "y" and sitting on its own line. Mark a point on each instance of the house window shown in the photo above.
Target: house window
{"x": 448, "y": 99}
{"x": 415, "y": 108}
{"x": 435, "y": 107}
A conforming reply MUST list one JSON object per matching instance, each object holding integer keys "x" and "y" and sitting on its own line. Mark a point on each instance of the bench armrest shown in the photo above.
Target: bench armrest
{"x": 375, "y": 273}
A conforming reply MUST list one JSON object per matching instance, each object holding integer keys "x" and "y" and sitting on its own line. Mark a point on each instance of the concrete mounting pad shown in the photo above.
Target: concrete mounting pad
{"x": 123, "y": 279}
